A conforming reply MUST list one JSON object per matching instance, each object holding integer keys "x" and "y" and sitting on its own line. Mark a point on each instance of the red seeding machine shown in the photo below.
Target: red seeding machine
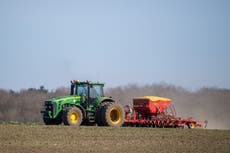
{"x": 150, "y": 111}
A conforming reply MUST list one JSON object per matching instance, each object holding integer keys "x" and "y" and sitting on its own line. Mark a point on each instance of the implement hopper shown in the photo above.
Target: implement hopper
{"x": 150, "y": 105}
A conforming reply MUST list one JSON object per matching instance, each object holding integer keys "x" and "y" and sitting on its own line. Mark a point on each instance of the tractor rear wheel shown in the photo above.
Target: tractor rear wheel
{"x": 72, "y": 116}
{"x": 112, "y": 114}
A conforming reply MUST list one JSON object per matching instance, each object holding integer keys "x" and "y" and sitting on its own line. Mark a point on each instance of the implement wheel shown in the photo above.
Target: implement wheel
{"x": 72, "y": 116}
{"x": 191, "y": 125}
{"x": 112, "y": 114}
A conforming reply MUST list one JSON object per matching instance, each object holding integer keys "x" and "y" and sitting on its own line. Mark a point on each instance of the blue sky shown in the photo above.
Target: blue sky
{"x": 50, "y": 42}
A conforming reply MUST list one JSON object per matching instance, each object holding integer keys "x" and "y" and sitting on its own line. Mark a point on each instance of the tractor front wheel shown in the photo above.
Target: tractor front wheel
{"x": 72, "y": 116}
{"x": 49, "y": 121}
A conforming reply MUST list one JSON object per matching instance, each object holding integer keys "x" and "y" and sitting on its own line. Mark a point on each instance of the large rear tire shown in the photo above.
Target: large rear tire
{"x": 112, "y": 114}
{"x": 72, "y": 116}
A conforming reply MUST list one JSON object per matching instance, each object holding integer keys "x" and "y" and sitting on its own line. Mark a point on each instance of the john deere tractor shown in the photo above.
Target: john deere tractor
{"x": 86, "y": 105}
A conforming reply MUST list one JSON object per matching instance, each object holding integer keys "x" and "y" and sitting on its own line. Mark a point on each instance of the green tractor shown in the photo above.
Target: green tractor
{"x": 86, "y": 105}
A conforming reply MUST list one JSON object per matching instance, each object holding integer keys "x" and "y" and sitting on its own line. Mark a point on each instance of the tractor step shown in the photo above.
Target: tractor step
{"x": 91, "y": 116}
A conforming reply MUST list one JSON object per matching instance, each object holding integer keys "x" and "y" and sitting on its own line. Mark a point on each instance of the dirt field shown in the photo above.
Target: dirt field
{"x": 55, "y": 139}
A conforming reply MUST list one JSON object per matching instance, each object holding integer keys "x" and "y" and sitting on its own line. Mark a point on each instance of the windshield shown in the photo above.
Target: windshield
{"x": 82, "y": 90}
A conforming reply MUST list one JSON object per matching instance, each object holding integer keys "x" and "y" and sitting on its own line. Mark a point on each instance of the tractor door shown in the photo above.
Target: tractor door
{"x": 83, "y": 91}
{"x": 95, "y": 92}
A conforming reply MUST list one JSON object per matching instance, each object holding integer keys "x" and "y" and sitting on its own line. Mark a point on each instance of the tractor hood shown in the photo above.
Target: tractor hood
{"x": 64, "y": 98}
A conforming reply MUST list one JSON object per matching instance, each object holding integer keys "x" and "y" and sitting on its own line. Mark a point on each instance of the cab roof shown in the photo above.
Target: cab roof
{"x": 87, "y": 82}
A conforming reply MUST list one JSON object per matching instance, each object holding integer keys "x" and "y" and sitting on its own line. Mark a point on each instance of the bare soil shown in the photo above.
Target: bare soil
{"x": 64, "y": 139}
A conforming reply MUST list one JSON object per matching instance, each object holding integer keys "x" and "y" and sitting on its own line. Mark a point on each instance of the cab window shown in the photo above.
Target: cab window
{"x": 96, "y": 91}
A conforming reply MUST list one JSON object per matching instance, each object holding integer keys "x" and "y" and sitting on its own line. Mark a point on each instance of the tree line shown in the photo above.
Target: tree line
{"x": 25, "y": 105}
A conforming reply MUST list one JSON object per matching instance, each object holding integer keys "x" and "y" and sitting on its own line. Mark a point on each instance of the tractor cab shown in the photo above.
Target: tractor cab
{"x": 88, "y": 90}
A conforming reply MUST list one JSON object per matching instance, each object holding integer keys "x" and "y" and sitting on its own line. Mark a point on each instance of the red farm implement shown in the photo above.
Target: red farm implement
{"x": 150, "y": 111}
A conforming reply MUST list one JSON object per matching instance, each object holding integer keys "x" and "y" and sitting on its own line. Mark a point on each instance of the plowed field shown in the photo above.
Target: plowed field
{"x": 64, "y": 139}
